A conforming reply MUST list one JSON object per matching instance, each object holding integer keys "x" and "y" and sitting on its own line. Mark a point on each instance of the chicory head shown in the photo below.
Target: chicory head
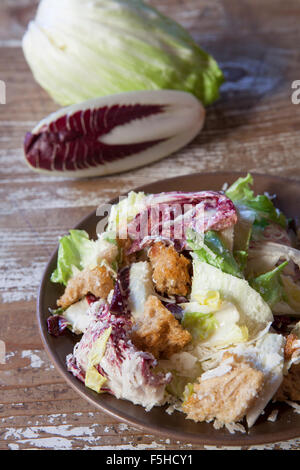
{"x": 82, "y": 49}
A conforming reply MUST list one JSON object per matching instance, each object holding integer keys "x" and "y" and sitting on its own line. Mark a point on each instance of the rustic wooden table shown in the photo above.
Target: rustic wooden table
{"x": 253, "y": 127}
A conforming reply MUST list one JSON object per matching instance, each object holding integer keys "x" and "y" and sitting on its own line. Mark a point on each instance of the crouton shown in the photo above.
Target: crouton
{"x": 290, "y": 387}
{"x": 291, "y": 346}
{"x": 159, "y": 332}
{"x": 95, "y": 281}
{"x": 170, "y": 270}
{"x": 226, "y": 394}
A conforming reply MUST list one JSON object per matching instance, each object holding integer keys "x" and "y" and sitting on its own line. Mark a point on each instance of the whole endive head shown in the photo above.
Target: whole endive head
{"x": 85, "y": 49}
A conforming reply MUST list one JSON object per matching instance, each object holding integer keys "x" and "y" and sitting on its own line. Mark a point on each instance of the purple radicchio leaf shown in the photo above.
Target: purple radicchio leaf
{"x": 74, "y": 368}
{"x": 57, "y": 325}
{"x": 167, "y": 217}
{"x": 91, "y": 298}
{"x": 180, "y": 299}
{"x": 175, "y": 309}
{"x": 119, "y": 354}
{"x": 119, "y": 302}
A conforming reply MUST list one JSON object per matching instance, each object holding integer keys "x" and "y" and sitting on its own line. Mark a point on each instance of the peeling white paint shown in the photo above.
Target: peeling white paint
{"x": 13, "y": 446}
{"x": 9, "y": 355}
{"x": 52, "y": 418}
{"x": 55, "y": 443}
{"x": 123, "y": 427}
{"x": 153, "y": 445}
{"x": 288, "y": 445}
{"x": 60, "y": 430}
{"x": 35, "y": 361}
{"x": 60, "y": 437}
{"x": 20, "y": 284}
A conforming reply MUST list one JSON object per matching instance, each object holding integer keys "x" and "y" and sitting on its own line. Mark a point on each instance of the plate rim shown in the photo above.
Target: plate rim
{"x": 237, "y": 439}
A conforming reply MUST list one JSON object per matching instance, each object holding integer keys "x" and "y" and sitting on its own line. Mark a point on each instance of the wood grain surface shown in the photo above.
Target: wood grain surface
{"x": 254, "y": 126}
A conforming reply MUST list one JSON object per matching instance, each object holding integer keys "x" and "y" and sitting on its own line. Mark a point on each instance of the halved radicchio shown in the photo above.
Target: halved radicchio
{"x": 114, "y": 133}
{"x": 167, "y": 216}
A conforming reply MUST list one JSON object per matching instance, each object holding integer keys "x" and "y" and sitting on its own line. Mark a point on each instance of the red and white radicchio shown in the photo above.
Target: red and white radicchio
{"x": 167, "y": 216}
{"x": 114, "y": 133}
{"x": 119, "y": 302}
{"x": 129, "y": 372}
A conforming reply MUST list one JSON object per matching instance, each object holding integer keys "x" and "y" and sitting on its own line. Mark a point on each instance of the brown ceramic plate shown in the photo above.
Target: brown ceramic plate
{"x": 157, "y": 421}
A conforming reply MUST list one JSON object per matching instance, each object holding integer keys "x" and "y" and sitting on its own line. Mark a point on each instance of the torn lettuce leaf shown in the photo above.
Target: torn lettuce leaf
{"x": 123, "y": 212}
{"x": 200, "y": 325}
{"x": 93, "y": 379}
{"x": 243, "y": 229}
{"x": 254, "y": 312}
{"x": 241, "y": 194}
{"x": 72, "y": 250}
{"x": 177, "y": 385}
{"x": 76, "y": 252}
{"x": 211, "y": 250}
{"x": 240, "y": 190}
{"x": 291, "y": 293}
{"x": 98, "y": 350}
{"x": 214, "y": 328}
{"x": 269, "y": 285}
{"x": 264, "y": 256}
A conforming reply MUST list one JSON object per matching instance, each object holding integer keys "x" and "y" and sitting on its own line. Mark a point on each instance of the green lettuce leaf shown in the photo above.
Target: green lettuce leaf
{"x": 200, "y": 325}
{"x": 178, "y": 384}
{"x": 114, "y": 46}
{"x": 291, "y": 293}
{"x": 124, "y": 212}
{"x": 263, "y": 208}
{"x": 269, "y": 285}
{"x": 77, "y": 252}
{"x": 70, "y": 252}
{"x": 211, "y": 250}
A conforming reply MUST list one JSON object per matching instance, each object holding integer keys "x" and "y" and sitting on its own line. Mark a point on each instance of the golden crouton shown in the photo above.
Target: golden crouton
{"x": 95, "y": 281}
{"x": 159, "y": 333}
{"x": 290, "y": 387}
{"x": 226, "y": 397}
{"x": 170, "y": 270}
{"x": 290, "y": 346}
